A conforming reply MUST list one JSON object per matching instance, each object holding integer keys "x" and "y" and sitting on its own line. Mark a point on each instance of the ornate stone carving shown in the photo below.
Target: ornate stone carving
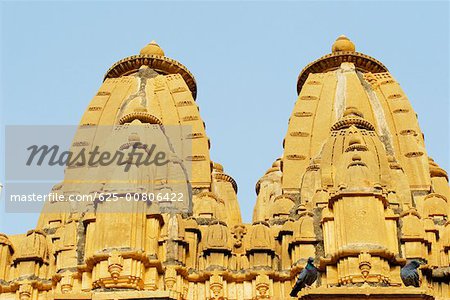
{"x": 170, "y": 278}
{"x": 216, "y": 286}
{"x": 25, "y": 291}
{"x": 364, "y": 264}
{"x": 66, "y": 283}
{"x": 262, "y": 287}
{"x": 115, "y": 265}
{"x": 238, "y": 233}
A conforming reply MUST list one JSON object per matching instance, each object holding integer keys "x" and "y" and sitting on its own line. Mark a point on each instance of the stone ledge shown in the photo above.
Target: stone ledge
{"x": 366, "y": 292}
{"x": 157, "y": 295}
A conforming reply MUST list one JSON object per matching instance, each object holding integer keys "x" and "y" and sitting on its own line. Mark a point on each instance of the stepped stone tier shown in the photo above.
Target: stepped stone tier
{"x": 354, "y": 189}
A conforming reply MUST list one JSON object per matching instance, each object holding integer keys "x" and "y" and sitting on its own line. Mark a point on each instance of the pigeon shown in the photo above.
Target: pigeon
{"x": 307, "y": 277}
{"x": 409, "y": 274}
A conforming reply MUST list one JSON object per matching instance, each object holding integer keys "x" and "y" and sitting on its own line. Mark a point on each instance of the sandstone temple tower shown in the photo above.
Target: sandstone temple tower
{"x": 354, "y": 189}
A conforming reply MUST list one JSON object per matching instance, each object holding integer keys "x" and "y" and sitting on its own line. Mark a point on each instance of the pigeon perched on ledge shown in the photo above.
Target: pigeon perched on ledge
{"x": 306, "y": 278}
{"x": 409, "y": 274}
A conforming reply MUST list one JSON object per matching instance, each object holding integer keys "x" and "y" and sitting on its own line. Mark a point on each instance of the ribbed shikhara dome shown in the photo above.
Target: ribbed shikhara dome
{"x": 341, "y": 79}
{"x": 363, "y": 192}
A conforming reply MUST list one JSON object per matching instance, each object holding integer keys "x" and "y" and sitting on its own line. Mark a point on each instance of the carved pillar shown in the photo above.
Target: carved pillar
{"x": 152, "y": 234}
{"x": 66, "y": 246}
{"x": 6, "y": 252}
{"x": 192, "y": 237}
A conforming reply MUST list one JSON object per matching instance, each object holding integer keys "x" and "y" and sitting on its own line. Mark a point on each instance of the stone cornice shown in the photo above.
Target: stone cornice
{"x": 141, "y": 116}
{"x": 348, "y": 122}
{"x": 332, "y": 61}
{"x": 228, "y": 178}
{"x": 161, "y": 64}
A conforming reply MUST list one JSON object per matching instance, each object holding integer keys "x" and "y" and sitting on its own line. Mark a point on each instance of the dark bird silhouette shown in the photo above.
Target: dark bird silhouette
{"x": 306, "y": 278}
{"x": 409, "y": 274}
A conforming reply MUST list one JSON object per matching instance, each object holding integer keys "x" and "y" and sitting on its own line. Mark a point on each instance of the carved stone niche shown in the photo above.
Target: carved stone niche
{"x": 118, "y": 269}
{"x": 413, "y": 237}
{"x": 261, "y": 254}
{"x": 363, "y": 268}
{"x": 217, "y": 248}
{"x": 208, "y": 205}
{"x": 33, "y": 253}
{"x": 304, "y": 240}
{"x": 281, "y": 207}
{"x": 35, "y": 245}
{"x": 436, "y": 207}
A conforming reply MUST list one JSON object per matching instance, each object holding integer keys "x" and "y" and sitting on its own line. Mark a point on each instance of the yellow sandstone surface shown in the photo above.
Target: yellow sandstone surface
{"x": 355, "y": 189}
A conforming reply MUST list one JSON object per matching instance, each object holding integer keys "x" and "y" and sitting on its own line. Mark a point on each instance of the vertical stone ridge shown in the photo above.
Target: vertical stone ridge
{"x": 383, "y": 128}
{"x": 341, "y": 90}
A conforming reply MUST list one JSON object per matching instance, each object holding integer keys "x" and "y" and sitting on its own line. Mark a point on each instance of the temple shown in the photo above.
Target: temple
{"x": 354, "y": 189}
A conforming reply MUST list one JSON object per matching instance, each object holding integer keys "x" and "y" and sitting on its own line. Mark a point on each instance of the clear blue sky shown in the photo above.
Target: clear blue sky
{"x": 245, "y": 57}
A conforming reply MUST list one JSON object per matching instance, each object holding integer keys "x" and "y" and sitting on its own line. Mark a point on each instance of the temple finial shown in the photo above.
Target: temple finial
{"x": 343, "y": 43}
{"x": 152, "y": 49}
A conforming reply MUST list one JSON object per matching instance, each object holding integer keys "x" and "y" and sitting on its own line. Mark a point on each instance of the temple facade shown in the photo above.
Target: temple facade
{"x": 354, "y": 189}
